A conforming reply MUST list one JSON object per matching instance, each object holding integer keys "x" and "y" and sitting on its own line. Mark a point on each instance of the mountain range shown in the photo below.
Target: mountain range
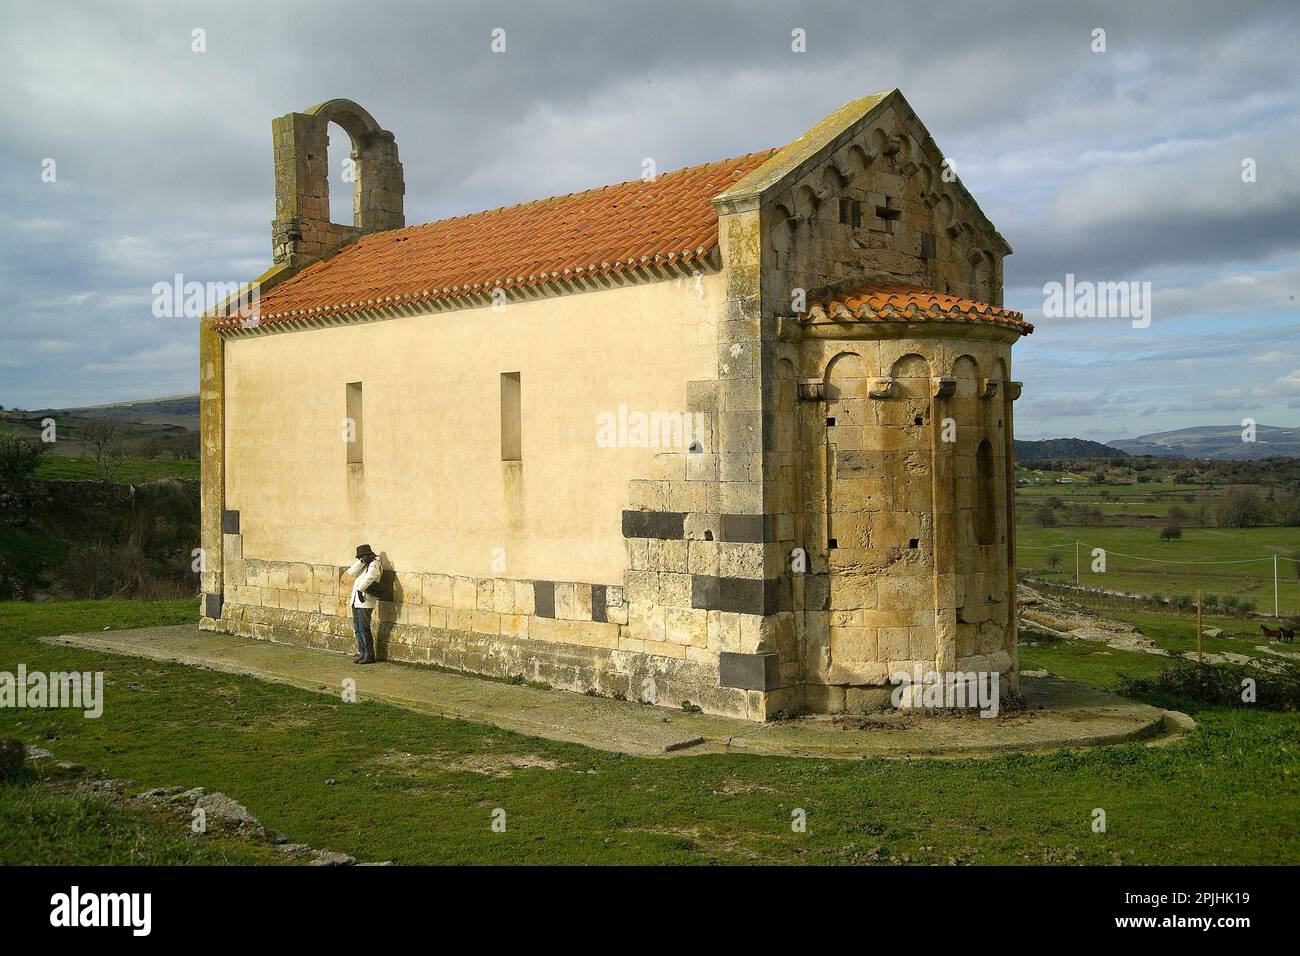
{"x": 1223, "y": 442}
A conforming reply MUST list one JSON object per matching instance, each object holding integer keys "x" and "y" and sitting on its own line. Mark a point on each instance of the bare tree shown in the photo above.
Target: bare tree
{"x": 107, "y": 441}
{"x": 1240, "y": 508}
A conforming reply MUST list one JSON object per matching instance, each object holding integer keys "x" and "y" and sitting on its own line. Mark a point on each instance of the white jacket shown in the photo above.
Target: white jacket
{"x": 363, "y": 577}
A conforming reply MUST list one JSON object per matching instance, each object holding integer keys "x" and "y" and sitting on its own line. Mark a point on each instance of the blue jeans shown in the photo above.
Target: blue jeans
{"x": 361, "y": 628}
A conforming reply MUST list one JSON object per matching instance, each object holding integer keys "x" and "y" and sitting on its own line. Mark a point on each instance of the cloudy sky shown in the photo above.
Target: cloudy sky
{"x": 1117, "y": 166}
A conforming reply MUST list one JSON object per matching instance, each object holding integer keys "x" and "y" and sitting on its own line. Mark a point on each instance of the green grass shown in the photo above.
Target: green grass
{"x": 56, "y": 829}
{"x": 133, "y": 471}
{"x": 1253, "y": 581}
{"x": 405, "y": 786}
{"x": 1176, "y": 630}
{"x": 1089, "y": 489}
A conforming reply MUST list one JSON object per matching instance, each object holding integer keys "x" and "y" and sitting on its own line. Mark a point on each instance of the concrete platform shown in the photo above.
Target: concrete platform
{"x": 1059, "y": 713}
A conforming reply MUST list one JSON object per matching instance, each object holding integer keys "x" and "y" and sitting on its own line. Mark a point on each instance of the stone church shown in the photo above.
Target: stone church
{"x": 737, "y": 435}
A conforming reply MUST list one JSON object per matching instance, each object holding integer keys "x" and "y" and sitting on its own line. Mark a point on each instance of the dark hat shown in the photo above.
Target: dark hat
{"x": 363, "y": 551}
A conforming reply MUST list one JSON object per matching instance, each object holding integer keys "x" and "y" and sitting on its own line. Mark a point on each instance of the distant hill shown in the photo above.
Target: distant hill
{"x": 1064, "y": 448}
{"x": 1222, "y": 442}
{"x": 181, "y": 410}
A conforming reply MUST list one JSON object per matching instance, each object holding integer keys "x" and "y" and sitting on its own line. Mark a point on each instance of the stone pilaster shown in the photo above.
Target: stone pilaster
{"x": 212, "y": 449}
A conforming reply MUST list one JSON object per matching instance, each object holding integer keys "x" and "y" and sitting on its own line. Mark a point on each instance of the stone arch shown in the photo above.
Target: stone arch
{"x": 904, "y": 143}
{"x": 911, "y": 365}
{"x": 966, "y": 370}
{"x": 781, "y": 234}
{"x": 354, "y": 119}
{"x": 856, "y": 159}
{"x": 945, "y": 215}
{"x": 881, "y": 142}
{"x": 926, "y": 174}
{"x": 302, "y": 231}
{"x": 983, "y": 275}
{"x": 966, "y": 366}
{"x": 806, "y": 201}
{"x": 833, "y": 179}
{"x": 841, "y": 370}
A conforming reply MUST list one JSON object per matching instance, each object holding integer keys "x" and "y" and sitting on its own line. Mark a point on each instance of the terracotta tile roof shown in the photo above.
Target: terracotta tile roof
{"x": 607, "y": 230}
{"x": 904, "y": 302}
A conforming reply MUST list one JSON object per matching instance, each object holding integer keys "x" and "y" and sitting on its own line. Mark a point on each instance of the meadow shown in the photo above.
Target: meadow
{"x": 1128, "y": 521}
{"x": 382, "y": 783}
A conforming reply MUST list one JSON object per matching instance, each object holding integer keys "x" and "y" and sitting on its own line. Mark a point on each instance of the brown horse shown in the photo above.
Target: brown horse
{"x": 1288, "y": 635}
{"x": 1271, "y": 634}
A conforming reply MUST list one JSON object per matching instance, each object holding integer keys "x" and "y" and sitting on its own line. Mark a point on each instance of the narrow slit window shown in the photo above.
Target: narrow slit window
{"x": 352, "y": 422}
{"x": 511, "y": 433}
{"x": 986, "y": 521}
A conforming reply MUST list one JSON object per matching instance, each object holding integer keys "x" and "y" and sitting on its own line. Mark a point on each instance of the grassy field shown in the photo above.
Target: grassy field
{"x": 140, "y": 439}
{"x": 1154, "y": 567}
{"x": 420, "y": 789}
{"x": 133, "y": 470}
{"x": 1176, "y": 631}
{"x": 62, "y": 830}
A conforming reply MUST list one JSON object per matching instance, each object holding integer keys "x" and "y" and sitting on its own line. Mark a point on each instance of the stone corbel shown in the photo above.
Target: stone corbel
{"x": 945, "y": 386}
{"x": 881, "y": 388}
{"x": 788, "y": 328}
{"x": 988, "y": 388}
{"x": 812, "y": 389}
{"x": 1014, "y": 389}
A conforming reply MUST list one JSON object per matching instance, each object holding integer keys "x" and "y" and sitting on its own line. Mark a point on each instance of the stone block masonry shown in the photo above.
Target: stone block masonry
{"x": 843, "y": 511}
{"x": 572, "y": 635}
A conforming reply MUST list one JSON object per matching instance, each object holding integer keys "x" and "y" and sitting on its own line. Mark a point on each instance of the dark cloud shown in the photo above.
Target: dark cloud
{"x": 1111, "y": 166}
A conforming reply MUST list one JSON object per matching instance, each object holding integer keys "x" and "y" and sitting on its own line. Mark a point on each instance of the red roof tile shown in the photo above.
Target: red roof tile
{"x": 612, "y": 229}
{"x": 901, "y": 301}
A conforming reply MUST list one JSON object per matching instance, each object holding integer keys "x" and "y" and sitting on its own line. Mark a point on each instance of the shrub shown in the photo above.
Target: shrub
{"x": 19, "y": 457}
{"x": 94, "y": 570}
{"x": 1219, "y": 684}
{"x": 1170, "y": 532}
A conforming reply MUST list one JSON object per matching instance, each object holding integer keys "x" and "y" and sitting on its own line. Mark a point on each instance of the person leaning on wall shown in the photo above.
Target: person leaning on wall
{"x": 365, "y": 573}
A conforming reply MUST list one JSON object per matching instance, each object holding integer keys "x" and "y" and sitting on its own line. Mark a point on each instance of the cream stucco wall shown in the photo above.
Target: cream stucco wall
{"x": 432, "y": 492}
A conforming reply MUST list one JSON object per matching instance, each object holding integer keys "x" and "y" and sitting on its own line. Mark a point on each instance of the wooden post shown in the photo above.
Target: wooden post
{"x": 1200, "y": 657}
{"x": 1275, "y": 608}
